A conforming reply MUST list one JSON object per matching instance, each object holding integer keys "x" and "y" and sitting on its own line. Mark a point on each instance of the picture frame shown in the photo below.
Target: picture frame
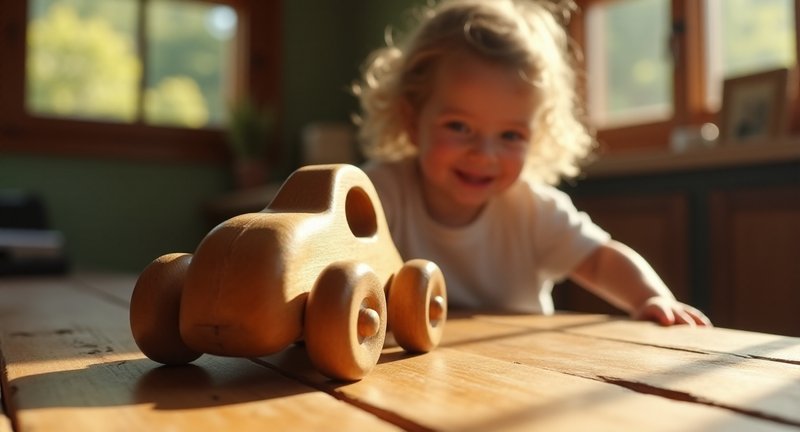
{"x": 754, "y": 107}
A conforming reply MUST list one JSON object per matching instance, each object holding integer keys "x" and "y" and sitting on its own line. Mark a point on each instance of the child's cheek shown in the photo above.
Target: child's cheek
{"x": 448, "y": 141}
{"x": 440, "y": 156}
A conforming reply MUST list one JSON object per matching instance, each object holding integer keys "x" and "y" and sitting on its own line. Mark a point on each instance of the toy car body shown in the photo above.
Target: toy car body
{"x": 317, "y": 264}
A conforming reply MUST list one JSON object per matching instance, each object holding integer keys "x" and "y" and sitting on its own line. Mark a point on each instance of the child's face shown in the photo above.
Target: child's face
{"x": 472, "y": 134}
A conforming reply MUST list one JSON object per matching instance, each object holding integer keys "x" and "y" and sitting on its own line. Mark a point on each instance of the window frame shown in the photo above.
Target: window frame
{"x": 258, "y": 74}
{"x": 687, "y": 44}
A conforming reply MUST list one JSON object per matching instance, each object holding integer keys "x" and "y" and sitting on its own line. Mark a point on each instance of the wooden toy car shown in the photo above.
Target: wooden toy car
{"x": 318, "y": 265}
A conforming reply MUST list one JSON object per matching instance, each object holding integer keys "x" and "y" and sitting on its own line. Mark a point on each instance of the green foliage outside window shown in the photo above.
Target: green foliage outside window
{"x": 83, "y": 61}
{"x": 80, "y": 67}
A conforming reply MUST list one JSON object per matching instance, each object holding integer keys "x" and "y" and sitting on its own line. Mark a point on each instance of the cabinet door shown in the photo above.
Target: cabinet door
{"x": 653, "y": 225}
{"x": 756, "y": 259}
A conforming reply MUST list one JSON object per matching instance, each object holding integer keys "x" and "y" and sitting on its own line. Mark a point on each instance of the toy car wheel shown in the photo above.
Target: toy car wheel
{"x": 417, "y": 306}
{"x": 345, "y": 321}
{"x": 155, "y": 307}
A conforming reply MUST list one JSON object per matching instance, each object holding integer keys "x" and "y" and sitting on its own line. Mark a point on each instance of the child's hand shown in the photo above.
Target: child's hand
{"x": 667, "y": 312}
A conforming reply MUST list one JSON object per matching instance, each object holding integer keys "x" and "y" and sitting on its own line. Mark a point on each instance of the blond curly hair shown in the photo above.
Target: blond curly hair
{"x": 527, "y": 35}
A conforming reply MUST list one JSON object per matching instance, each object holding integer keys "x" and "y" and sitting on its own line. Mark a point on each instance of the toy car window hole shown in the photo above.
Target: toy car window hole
{"x": 360, "y": 213}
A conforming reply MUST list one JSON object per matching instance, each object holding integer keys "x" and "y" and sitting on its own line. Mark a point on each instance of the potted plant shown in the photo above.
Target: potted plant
{"x": 249, "y": 136}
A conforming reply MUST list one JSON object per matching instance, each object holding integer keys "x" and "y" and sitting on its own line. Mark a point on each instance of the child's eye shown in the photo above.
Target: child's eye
{"x": 512, "y": 136}
{"x": 457, "y": 126}
{"x": 513, "y": 140}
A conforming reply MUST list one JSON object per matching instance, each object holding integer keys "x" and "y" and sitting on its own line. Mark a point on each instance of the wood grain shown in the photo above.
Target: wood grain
{"x": 244, "y": 290}
{"x": 449, "y": 389}
{"x": 491, "y": 376}
{"x": 720, "y": 340}
{"x": 761, "y": 388}
{"x": 114, "y": 288}
{"x": 71, "y": 364}
{"x": 755, "y": 244}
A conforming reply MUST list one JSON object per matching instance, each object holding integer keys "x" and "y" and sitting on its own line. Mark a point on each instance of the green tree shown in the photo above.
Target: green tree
{"x": 176, "y": 101}
{"x": 83, "y": 63}
{"x": 189, "y": 49}
{"x": 80, "y": 67}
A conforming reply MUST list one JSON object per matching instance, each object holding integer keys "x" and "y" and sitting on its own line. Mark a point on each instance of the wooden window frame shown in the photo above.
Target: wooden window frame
{"x": 689, "y": 79}
{"x": 258, "y": 58}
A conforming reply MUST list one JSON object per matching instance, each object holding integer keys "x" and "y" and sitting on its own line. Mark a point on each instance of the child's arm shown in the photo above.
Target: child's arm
{"x": 621, "y": 276}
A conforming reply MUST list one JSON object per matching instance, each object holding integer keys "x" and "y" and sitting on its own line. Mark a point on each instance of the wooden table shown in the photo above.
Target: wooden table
{"x": 70, "y": 363}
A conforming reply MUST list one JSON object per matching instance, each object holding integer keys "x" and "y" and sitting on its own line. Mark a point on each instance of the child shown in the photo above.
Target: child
{"x": 472, "y": 121}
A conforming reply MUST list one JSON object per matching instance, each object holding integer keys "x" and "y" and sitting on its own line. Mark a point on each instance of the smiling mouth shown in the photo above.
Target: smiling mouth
{"x": 474, "y": 180}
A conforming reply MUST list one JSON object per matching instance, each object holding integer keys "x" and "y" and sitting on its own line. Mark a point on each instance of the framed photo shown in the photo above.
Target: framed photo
{"x": 754, "y": 107}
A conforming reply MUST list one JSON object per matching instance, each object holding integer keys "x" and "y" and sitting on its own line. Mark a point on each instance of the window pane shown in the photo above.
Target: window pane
{"x": 629, "y": 67}
{"x": 747, "y": 36}
{"x": 81, "y": 59}
{"x": 189, "y": 62}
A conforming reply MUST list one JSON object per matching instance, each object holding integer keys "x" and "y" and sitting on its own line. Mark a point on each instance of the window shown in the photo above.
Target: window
{"x": 138, "y": 78}
{"x": 652, "y": 65}
{"x": 83, "y": 61}
{"x": 628, "y": 62}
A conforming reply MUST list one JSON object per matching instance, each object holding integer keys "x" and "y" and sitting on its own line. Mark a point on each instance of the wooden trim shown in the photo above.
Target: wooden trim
{"x": 13, "y": 16}
{"x": 143, "y": 51}
{"x": 22, "y": 133}
{"x": 678, "y": 42}
{"x": 635, "y": 163}
{"x": 653, "y": 136}
{"x": 265, "y": 33}
{"x": 690, "y": 77}
{"x": 794, "y": 96}
{"x": 89, "y": 139}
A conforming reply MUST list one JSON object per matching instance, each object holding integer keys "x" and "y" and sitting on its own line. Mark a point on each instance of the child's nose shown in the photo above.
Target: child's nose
{"x": 485, "y": 146}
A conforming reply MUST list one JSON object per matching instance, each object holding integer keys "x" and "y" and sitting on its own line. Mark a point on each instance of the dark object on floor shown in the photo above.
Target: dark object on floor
{"x": 27, "y": 245}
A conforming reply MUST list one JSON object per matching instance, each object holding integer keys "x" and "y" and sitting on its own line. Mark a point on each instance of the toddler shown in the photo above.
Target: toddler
{"x": 469, "y": 125}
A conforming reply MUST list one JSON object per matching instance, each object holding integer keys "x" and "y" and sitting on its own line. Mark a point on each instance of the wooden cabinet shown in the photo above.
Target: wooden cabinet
{"x": 726, "y": 240}
{"x": 755, "y": 259}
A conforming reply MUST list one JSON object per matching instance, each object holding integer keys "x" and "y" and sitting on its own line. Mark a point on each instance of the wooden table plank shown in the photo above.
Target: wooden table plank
{"x": 720, "y": 340}
{"x": 453, "y": 389}
{"x": 116, "y": 288}
{"x": 763, "y": 388}
{"x": 71, "y": 364}
{"x": 492, "y": 372}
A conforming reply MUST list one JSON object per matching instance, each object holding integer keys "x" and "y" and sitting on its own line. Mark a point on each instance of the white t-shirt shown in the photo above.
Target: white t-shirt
{"x": 508, "y": 258}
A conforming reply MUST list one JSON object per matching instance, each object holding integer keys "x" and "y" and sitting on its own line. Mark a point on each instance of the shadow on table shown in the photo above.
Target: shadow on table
{"x": 209, "y": 382}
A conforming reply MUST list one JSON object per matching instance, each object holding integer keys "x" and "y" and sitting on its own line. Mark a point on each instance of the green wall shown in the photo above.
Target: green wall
{"x": 325, "y": 43}
{"x": 118, "y": 215}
